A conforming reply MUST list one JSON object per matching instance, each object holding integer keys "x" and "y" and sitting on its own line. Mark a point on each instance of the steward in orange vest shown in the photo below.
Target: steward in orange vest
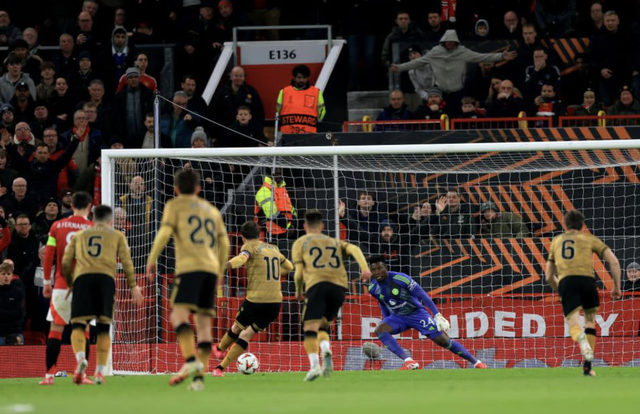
{"x": 300, "y": 105}
{"x": 273, "y": 206}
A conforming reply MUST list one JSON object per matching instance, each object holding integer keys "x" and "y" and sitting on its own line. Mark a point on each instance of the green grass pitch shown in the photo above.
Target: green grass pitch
{"x": 517, "y": 391}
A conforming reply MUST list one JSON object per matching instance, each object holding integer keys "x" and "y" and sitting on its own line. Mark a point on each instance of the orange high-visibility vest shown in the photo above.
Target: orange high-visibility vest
{"x": 299, "y": 113}
{"x": 280, "y": 196}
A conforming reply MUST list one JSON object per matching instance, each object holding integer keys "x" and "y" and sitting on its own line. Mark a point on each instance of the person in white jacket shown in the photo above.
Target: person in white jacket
{"x": 449, "y": 64}
{"x": 422, "y": 77}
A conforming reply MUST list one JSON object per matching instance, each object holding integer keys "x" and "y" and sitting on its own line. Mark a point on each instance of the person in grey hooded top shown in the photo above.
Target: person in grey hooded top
{"x": 449, "y": 62}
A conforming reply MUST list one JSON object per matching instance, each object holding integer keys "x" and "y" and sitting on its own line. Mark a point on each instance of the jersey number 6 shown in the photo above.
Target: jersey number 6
{"x": 568, "y": 251}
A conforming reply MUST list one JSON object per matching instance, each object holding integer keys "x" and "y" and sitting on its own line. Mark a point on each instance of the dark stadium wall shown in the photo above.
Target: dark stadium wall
{"x": 335, "y": 95}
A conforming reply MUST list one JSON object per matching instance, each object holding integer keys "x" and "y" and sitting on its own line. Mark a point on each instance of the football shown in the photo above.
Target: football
{"x": 371, "y": 350}
{"x": 247, "y": 363}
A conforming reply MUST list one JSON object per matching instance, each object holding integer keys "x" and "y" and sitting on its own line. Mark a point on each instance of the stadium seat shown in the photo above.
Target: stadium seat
{"x": 34, "y": 338}
{"x": 571, "y": 110}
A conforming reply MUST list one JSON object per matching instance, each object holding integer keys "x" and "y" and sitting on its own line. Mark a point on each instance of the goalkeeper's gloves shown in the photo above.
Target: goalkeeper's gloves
{"x": 442, "y": 324}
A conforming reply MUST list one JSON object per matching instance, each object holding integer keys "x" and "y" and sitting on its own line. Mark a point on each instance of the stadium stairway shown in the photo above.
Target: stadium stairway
{"x": 360, "y": 104}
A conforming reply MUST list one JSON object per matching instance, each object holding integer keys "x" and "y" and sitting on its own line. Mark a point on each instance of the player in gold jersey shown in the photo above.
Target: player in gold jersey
{"x": 265, "y": 265}
{"x": 318, "y": 261}
{"x": 95, "y": 251}
{"x": 202, "y": 248}
{"x": 570, "y": 273}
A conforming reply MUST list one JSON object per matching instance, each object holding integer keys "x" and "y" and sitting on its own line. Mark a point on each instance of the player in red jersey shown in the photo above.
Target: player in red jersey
{"x": 60, "y": 234}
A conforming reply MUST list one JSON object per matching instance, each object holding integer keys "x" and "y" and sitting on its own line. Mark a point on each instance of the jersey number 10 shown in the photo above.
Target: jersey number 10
{"x": 273, "y": 267}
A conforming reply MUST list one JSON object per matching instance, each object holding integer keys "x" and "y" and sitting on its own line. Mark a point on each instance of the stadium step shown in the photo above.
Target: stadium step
{"x": 367, "y": 99}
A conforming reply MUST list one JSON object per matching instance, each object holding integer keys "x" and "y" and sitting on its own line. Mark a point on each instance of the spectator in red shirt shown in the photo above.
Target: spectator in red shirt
{"x": 5, "y": 232}
{"x": 142, "y": 63}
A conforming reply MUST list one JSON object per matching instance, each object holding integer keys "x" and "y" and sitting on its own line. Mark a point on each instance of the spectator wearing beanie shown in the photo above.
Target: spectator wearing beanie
{"x": 626, "y": 104}
{"x": 46, "y": 218}
{"x": 434, "y": 106}
{"x": 632, "y": 281}
{"x": 47, "y": 81}
{"x": 23, "y": 102}
{"x": 421, "y": 78}
{"x": 132, "y": 104}
{"x": 65, "y": 202}
{"x": 42, "y": 119}
{"x": 199, "y": 138}
{"x": 7, "y": 121}
{"x": 81, "y": 78}
{"x": 589, "y": 107}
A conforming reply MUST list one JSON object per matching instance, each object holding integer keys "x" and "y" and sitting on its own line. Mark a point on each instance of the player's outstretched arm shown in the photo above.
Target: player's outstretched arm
{"x": 222, "y": 244}
{"x": 285, "y": 265}
{"x": 67, "y": 262}
{"x": 417, "y": 292}
{"x": 298, "y": 262}
{"x": 162, "y": 238}
{"x": 614, "y": 266}
{"x": 355, "y": 252}
{"x": 299, "y": 281}
{"x": 238, "y": 261}
{"x": 124, "y": 253}
{"x": 47, "y": 264}
{"x": 551, "y": 275}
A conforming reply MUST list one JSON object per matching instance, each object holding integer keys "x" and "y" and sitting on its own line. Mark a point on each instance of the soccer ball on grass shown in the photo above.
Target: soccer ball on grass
{"x": 247, "y": 363}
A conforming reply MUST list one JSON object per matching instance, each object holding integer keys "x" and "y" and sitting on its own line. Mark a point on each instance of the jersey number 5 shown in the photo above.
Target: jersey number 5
{"x": 568, "y": 251}
{"x": 95, "y": 246}
{"x": 334, "y": 259}
{"x": 209, "y": 229}
{"x": 273, "y": 268}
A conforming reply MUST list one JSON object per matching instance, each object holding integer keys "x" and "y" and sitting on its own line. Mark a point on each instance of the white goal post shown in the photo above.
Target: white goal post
{"x": 490, "y": 286}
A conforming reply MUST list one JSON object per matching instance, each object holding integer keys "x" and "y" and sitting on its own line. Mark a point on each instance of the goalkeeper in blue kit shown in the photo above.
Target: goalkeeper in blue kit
{"x": 403, "y": 302}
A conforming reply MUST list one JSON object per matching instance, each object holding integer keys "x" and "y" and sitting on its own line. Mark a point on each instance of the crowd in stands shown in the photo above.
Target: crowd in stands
{"x": 525, "y": 77}
{"x": 59, "y": 107}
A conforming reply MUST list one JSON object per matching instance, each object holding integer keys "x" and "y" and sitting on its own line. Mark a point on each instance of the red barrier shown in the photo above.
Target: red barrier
{"x": 501, "y": 123}
{"x": 417, "y": 125}
{"x": 493, "y": 123}
{"x": 599, "y": 121}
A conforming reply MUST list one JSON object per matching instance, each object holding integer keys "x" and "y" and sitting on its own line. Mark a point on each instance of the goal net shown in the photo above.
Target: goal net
{"x": 471, "y": 223}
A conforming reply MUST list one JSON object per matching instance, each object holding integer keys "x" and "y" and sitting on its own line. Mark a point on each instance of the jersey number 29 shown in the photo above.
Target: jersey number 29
{"x": 197, "y": 225}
